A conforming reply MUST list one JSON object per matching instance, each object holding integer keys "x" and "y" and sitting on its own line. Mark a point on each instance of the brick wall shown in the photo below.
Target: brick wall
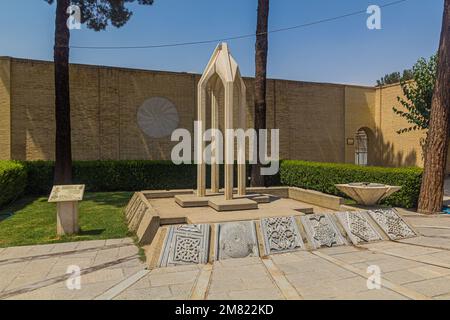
{"x": 315, "y": 119}
{"x": 5, "y": 103}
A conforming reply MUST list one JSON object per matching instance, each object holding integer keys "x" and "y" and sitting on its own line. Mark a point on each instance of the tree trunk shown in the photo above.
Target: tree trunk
{"x": 432, "y": 189}
{"x": 260, "y": 81}
{"x": 63, "y": 149}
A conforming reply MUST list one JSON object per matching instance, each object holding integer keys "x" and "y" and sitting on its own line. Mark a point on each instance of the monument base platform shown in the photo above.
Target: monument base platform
{"x": 219, "y": 203}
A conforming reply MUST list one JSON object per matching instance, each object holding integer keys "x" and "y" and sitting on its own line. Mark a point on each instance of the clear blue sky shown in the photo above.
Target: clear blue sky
{"x": 343, "y": 51}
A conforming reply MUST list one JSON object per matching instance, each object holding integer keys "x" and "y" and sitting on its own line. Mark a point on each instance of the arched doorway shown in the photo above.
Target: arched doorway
{"x": 361, "y": 147}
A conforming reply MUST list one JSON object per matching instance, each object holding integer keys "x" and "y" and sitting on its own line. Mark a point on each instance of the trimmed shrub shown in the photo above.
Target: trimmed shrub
{"x": 120, "y": 175}
{"x": 13, "y": 180}
{"x": 134, "y": 175}
{"x": 323, "y": 176}
{"x": 125, "y": 175}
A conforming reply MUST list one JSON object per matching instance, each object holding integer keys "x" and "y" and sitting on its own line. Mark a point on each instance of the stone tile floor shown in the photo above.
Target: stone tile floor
{"x": 417, "y": 268}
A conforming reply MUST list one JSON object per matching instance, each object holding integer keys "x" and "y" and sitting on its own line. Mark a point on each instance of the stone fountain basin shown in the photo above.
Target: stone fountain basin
{"x": 367, "y": 194}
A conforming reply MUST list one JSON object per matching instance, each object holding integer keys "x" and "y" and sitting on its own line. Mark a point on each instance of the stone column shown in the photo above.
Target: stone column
{"x": 201, "y": 115}
{"x": 242, "y": 179}
{"x": 229, "y": 141}
{"x": 214, "y": 144}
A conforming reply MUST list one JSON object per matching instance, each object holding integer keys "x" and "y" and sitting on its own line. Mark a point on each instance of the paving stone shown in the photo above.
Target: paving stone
{"x": 239, "y": 262}
{"x": 443, "y": 297}
{"x": 118, "y": 241}
{"x": 257, "y": 294}
{"x": 226, "y": 285}
{"x": 15, "y": 252}
{"x": 261, "y": 282}
{"x": 352, "y": 257}
{"x": 180, "y": 268}
{"x": 103, "y": 275}
{"x": 182, "y": 290}
{"x": 431, "y": 287}
{"x": 426, "y": 241}
{"x": 333, "y": 288}
{"x": 414, "y": 251}
{"x": 217, "y": 296}
{"x": 249, "y": 272}
{"x": 310, "y": 279}
{"x": 82, "y": 245}
{"x": 338, "y": 250}
{"x": 41, "y": 249}
{"x": 64, "y": 247}
{"x": 129, "y": 271}
{"x": 429, "y": 272}
{"x": 173, "y": 278}
{"x": 91, "y": 290}
{"x": 286, "y": 258}
{"x": 127, "y": 251}
{"x": 304, "y": 255}
{"x": 153, "y": 293}
{"x": 104, "y": 256}
{"x": 236, "y": 240}
{"x": 402, "y": 276}
{"x": 375, "y": 294}
{"x": 394, "y": 264}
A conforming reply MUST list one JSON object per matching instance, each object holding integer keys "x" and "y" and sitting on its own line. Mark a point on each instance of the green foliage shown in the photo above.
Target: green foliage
{"x": 13, "y": 179}
{"x": 126, "y": 175}
{"x": 98, "y": 14}
{"x": 119, "y": 175}
{"x": 395, "y": 77}
{"x": 323, "y": 177}
{"x": 416, "y": 107}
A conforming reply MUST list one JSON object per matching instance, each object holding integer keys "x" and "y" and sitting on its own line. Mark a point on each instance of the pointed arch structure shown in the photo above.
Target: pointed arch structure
{"x": 221, "y": 73}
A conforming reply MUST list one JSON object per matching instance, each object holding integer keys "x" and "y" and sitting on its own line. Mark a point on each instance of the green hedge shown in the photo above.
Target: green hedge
{"x": 13, "y": 180}
{"x": 37, "y": 177}
{"x": 323, "y": 176}
{"x": 114, "y": 175}
{"x": 123, "y": 175}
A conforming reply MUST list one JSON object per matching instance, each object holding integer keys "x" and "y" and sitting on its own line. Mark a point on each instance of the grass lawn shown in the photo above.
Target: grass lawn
{"x": 32, "y": 220}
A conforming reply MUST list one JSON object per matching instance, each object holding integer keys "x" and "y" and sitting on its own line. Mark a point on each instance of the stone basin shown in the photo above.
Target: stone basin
{"x": 367, "y": 194}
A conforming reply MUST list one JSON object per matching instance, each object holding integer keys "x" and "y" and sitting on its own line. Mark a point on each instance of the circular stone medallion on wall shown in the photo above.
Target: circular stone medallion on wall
{"x": 157, "y": 117}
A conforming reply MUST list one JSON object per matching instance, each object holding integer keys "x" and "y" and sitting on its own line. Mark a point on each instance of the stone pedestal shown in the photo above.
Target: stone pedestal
{"x": 66, "y": 198}
{"x": 67, "y": 218}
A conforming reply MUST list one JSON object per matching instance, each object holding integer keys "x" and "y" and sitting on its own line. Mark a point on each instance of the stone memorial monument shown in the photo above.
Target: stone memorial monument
{"x": 185, "y": 244}
{"x": 222, "y": 88}
{"x": 392, "y": 224}
{"x": 281, "y": 234}
{"x": 358, "y": 227}
{"x": 322, "y": 231}
{"x": 67, "y": 197}
{"x": 236, "y": 240}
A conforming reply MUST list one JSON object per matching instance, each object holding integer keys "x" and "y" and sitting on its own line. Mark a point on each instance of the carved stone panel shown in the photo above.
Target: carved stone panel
{"x": 322, "y": 231}
{"x": 186, "y": 244}
{"x": 281, "y": 234}
{"x": 391, "y": 223}
{"x": 358, "y": 227}
{"x": 236, "y": 240}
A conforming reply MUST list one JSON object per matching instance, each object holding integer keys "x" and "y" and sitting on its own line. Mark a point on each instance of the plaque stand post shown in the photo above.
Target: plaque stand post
{"x": 67, "y": 218}
{"x": 66, "y": 198}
